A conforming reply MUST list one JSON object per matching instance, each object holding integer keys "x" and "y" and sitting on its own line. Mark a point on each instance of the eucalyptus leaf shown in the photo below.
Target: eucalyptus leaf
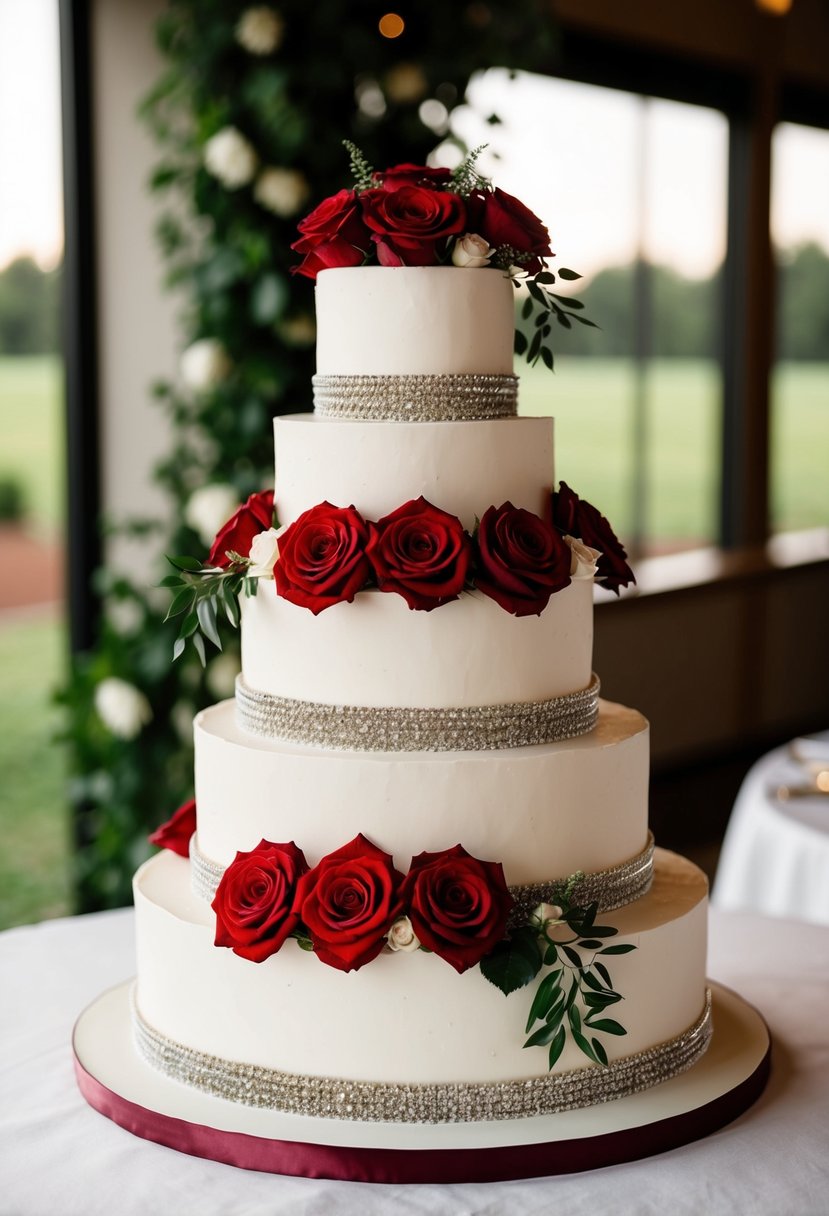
{"x": 572, "y": 994}
{"x": 189, "y": 625}
{"x": 178, "y": 648}
{"x": 520, "y": 343}
{"x": 542, "y": 1036}
{"x": 206, "y": 612}
{"x": 569, "y": 302}
{"x": 527, "y": 308}
{"x": 601, "y": 1054}
{"x": 604, "y": 973}
{"x": 544, "y": 997}
{"x": 546, "y": 353}
{"x": 603, "y": 931}
{"x": 198, "y": 645}
{"x": 180, "y": 601}
{"x": 570, "y": 275}
{"x": 608, "y": 1026}
{"x": 172, "y": 580}
{"x": 571, "y": 955}
{"x": 557, "y": 1046}
{"x": 185, "y": 563}
{"x": 622, "y": 949}
{"x": 583, "y": 1045}
{"x": 550, "y": 955}
{"x": 590, "y": 943}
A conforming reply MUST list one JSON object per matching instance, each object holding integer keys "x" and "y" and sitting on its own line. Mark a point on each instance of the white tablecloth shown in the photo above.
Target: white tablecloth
{"x": 775, "y": 856}
{"x": 58, "y": 1157}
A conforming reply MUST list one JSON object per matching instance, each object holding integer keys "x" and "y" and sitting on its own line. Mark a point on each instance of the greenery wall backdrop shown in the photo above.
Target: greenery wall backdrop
{"x": 249, "y": 116}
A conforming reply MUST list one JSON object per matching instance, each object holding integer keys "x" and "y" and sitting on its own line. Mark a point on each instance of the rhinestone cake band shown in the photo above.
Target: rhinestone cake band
{"x": 368, "y": 728}
{"x": 611, "y": 888}
{"x": 398, "y": 1102}
{"x": 434, "y": 398}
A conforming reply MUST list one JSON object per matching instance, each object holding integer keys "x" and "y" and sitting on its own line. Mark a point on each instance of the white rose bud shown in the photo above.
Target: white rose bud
{"x": 282, "y": 191}
{"x": 548, "y": 913}
{"x": 471, "y": 251}
{"x": 229, "y": 157}
{"x": 204, "y": 364}
{"x": 401, "y": 936}
{"x": 221, "y": 675}
{"x": 582, "y": 558}
{"x": 405, "y": 83}
{"x": 260, "y": 30}
{"x": 122, "y": 708}
{"x": 208, "y": 509}
{"x": 264, "y": 551}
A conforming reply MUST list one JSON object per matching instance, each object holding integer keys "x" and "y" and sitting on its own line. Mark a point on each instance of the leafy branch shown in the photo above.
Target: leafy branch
{"x": 466, "y": 178}
{"x": 361, "y": 171}
{"x": 573, "y": 997}
{"x": 202, "y": 595}
{"x": 547, "y": 306}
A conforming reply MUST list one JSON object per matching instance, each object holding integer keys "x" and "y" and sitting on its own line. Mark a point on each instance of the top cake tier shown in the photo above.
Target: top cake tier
{"x": 414, "y": 321}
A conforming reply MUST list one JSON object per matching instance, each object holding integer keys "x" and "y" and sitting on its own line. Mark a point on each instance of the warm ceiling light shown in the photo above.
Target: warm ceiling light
{"x": 778, "y": 7}
{"x": 391, "y": 25}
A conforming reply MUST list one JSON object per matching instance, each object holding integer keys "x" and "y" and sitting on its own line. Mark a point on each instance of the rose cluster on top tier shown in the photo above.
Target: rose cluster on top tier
{"x": 411, "y": 215}
{"x": 424, "y": 554}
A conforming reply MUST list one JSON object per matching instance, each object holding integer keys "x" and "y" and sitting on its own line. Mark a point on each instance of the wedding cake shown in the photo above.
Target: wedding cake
{"x": 419, "y": 885}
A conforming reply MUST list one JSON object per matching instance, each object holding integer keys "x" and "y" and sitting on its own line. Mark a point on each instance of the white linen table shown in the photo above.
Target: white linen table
{"x": 57, "y": 1155}
{"x": 775, "y": 855}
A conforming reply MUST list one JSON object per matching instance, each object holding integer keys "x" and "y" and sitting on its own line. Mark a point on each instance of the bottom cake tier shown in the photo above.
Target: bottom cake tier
{"x": 406, "y": 1038}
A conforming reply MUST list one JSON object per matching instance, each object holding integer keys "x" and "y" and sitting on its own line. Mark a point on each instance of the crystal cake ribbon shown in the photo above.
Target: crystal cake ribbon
{"x": 434, "y": 398}
{"x": 611, "y": 888}
{"x": 399, "y": 1102}
{"x": 367, "y": 728}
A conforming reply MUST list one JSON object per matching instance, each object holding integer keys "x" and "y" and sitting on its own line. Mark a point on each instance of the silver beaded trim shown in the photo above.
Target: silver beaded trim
{"x": 611, "y": 889}
{"x": 367, "y": 728}
{"x": 398, "y": 1102}
{"x": 416, "y": 398}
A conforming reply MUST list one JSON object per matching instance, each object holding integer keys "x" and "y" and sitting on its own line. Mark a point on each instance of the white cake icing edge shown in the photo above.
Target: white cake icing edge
{"x": 543, "y": 812}
{"x": 414, "y": 320}
{"x": 402, "y": 1017}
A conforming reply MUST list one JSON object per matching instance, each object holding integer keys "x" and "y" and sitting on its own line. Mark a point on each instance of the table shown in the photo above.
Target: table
{"x": 57, "y": 1155}
{"x": 775, "y": 856}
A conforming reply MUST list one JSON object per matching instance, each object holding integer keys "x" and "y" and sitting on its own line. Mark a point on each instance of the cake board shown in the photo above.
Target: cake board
{"x": 115, "y": 1081}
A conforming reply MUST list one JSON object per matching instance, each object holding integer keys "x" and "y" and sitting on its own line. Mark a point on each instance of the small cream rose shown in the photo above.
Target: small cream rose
{"x": 264, "y": 551}
{"x": 547, "y": 914}
{"x": 260, "y": 30}
{"x": 230, "y": 157}
{"x": 282, "y": 191}
{"x": 401, "y": 936}
{"x": 204, "y": 364}
{"x": 123, "y": 709}
{"x": 471, "y": 251}
{"x": 582, "y": 558}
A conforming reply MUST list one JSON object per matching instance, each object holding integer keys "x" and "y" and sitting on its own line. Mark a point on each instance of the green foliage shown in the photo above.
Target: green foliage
{"x": 12, "y": 499}
{"x": 29, "y": 309}
{"x": 230, "y": 259}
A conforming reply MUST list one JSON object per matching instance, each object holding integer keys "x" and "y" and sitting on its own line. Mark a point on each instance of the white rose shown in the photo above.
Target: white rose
{"x": 204, "y": 364}
{"x": 264, "y": 551}
{"x": 229, "y": 157}
{"x": 401, "y": 936}
{"x": 282, "y": 191}
{"x": 208, "y": 509}
{"x": 405, "y": 82}
{"x": 260, "y": 30}
{"x": 548, "y": 913}
{"x": 221, "y": 675}
{"x": 298, "y": 331}
{"x": 582, "y": 558}
{"x": 123, "y": 710}
{"x": 471, "y": 251}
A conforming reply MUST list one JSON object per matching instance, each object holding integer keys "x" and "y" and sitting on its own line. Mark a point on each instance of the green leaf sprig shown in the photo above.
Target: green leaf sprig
{"x": 202, "y": 595}
{"x": 466, "y": 178}
{"x": 547, "y": 306}
{"x": 361, "y": 171}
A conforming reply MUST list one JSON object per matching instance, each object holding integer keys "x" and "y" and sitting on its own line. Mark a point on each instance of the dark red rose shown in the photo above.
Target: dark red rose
{"x": 176, "y": 832}
{"x": 410, "y": 222}
{"x": 333, "y": 235}
{"x": 413, "y": 175}
{"x": 573, "y": 516}
{"x": 420, "y": 552}
{"x": 457, "y": 904}
{"x": 253, "y": 517}
{"x": 348, "y": 903}
{"x": 521, "y": 560}
{"x": 505, "y": 220}
{"x": 254, "y": 902}
{"x": 322, "y": 557}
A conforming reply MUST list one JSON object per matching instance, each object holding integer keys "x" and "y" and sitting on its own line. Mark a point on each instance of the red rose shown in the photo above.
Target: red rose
{"x": 505, "y": 220}
{"x": 413, "y": 175}
{"x": 254, "y": 900}
{"x": 522, "y": 560}
{"x": 573, "y": 516}
{"x": 253, "y": 517}
{"x": 348, "y": 903}
{"x": 457, "y": 904}
{"x": 322, "y": 557}
{"x": 332, "y": 235}
{"x": 420, "y": 552}
{"x": 409, "y": 222}
{"x": 176, "y": 832}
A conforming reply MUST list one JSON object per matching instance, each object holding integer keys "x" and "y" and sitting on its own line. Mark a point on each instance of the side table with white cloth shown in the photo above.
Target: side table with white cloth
{"x": 58, "y": 1155}
{"x": 775, "y": 856}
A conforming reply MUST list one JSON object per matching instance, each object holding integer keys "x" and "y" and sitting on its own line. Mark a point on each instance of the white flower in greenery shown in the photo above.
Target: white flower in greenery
{"x": 401, "y": 936}
{"x": 471, "y": 251}
{"x": 230, "y": 157}
{"x": 298, "y": 331}
{"x": 582, "y": 558}
{"x": 123, "y": 709}
{"x": 204, "y": 364}
{"x": 405, "y": 83}
{"x": 181, "y": 717}
{"x": 260, "y": 30}
{"x": 125, "y": 616}
{"x": 264, "y": 551}
{"x": 221, "y": 675}
{"x": 282, "y": 191}
{"x": 547, "y": 914}
{"x": 209, "y": 508}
